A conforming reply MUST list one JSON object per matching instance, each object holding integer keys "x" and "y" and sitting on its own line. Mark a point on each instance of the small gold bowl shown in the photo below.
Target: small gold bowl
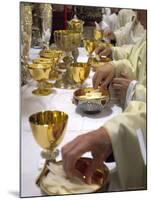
{"x": 91, "y": 100}
{"x": 48, "y": 128}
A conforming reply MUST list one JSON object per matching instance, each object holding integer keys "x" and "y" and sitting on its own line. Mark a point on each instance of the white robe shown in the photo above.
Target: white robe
{"x": 126, "y": 28}
{"x": 122, "y": 129}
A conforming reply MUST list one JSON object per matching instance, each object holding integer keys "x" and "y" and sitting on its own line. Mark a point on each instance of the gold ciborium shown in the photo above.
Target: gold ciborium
{"x": 55, "y": 57}
{"x": 74, "y": 77}
{"x": 48, "y": 128}
{"x": 40, "y": 73}
{"x": 68, "y": 41}
{"x": 76, "y": 24}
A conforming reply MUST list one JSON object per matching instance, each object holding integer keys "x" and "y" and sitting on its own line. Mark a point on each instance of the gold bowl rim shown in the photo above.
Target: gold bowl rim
{"x": 34, "y": 66}
{"x": 76, "y": 93}
{"x": 31, "y": 117}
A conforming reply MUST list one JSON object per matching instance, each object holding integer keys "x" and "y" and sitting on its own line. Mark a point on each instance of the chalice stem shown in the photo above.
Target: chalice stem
{"x": 44, "y": 170}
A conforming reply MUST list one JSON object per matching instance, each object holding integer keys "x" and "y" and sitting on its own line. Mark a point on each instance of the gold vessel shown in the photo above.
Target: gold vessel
{"x": 98, "y": 34}
{"x": 55, "y": 57}
{"x": 76, "y": 24}
{"x": 74, "y": 77}
{"x": 40, "y": 73}
{"x": 48, "y": 128}
{"x": 68, "y": 41}
{"x": 90, "y": 45}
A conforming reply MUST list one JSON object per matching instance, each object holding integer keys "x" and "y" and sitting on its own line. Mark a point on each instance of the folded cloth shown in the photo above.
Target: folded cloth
{"x": 56, "y": 182}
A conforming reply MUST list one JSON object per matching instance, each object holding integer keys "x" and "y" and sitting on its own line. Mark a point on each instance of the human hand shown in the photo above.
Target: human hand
{"x": 109, "y": 35}
{"x": 103, "y": 50}
{"x": 103, "y": 76}
{"x": 97, "y": 142}
{"x": 121, "y": 84}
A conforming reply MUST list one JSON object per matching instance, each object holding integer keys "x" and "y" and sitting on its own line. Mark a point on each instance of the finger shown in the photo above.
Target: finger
{"x": 124, "y": 75}
{"x": 92, "y": 168}
{"x": 118, "y": 80}
{"x": 99, "y": 49}
{"x": 107, "y": 81}
{"x": 103, "y": 53}
{"x": 98, "y": 80}
{"x": 94, "y": 78}
{"x": 73, "y": 154}
{"x": 117, "y": 86}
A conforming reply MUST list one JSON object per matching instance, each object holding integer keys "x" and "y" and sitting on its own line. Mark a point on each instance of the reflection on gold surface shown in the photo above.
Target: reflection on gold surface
{"x": 76, "y": 24}
{"x": 74, "y": 77}
{"x": 68, "y": 41}
{"x": 48, "y": 128}
{"x": 98, "y": 34}
{"x": 40, "y": 73}
{"x": 90, "y": 45}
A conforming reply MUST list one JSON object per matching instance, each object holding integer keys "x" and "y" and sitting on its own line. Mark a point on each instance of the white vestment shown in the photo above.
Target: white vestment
{"x": 131, "y": 168}
{"x": 126, "y": 28}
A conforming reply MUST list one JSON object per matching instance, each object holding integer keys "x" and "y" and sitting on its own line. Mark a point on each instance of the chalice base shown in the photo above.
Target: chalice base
{"x": 43, "y": 92}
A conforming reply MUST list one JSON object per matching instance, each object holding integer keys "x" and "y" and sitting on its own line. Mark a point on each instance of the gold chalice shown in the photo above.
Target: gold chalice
{"x": 74, "y": 77}
{"x": 98, "y": 34}
{"x": 90, "y": 45}
{"x": 40, "y": 73}
{"x": 68, "y": 41}
{"x": 54, "y": 56}
{"x": 48, "y": 128}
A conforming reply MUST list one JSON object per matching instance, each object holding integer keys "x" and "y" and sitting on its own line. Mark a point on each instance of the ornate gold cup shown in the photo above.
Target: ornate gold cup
{"x": 48, "y": 128}
{"x": 90, "y": 45}
{"x": 54, "y": 56}
{"x": 40, "y": 73}
{"x": 75, "y": 75}
{"x": 76, "y": 24}
{"x": 68, "y": 41}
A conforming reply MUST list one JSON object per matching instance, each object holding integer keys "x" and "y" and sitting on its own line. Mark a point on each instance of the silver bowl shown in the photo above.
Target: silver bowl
{"x": 93, "y": 105}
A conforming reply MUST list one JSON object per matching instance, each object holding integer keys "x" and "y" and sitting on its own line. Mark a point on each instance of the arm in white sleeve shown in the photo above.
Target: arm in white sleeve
{"x": 126, "y": 149}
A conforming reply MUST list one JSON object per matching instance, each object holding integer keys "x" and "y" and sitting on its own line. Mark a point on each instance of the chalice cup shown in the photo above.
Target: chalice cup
{"x": 75, "y": 75}
{"x": 68, "y": 41}
{"x": 48, "y": 128}
{"x": 40, "y": 73}
{"x": 90, "y": 45}
{"x": 55, "y": 57}
{"x": 98, "y": 34}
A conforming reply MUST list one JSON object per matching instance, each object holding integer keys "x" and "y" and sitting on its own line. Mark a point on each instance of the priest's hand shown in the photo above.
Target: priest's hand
{"x": 97, "y": 142}
{"x": 109, "y": 35}
{"x": 121, "y": 84}
{"x": 103, "y": 76}
{"x": 103, "y": 50}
